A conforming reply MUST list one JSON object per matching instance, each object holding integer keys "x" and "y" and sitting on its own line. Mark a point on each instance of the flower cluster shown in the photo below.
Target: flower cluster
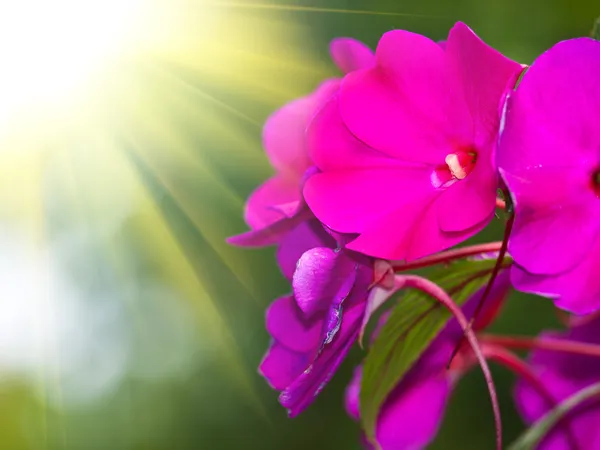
{"x": 410, "y": 152}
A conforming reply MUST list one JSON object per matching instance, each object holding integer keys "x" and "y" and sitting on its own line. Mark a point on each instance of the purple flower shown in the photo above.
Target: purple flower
{"x": 405, "y": 146}
{"x": 412, "y": 414}
{"x": 277, "y": 205}
{"x": 314, "y": 329}
{"x": 549, "y": 158}
{"x": 563, "y": 374}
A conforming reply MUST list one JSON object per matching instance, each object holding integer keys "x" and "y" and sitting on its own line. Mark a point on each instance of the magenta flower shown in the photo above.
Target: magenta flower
{"x": 277, "y": 205}
{"x": 563, "y": 374}
{"x": 406, "y": 145}
{"x": 412, "y": 414}
{"x": 549, "y": 158}
{"x": 314, "y": 329}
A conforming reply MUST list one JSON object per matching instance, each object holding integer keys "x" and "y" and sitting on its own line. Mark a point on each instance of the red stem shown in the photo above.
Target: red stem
{"x": 516, "y": 365}
{"x": 557, "y": 345}
{"x": 441, "y": 296}
{"x": 447, "y": 256}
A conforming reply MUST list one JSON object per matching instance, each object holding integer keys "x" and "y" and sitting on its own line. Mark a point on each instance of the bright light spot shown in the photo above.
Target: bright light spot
{"x": 51, "y": 48}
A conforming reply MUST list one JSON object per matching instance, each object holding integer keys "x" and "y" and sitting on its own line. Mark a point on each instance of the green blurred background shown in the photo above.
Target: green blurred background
{"x": 126, "y": 322}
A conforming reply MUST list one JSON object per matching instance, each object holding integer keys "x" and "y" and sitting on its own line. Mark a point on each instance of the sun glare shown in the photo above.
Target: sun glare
{"x": 51, "y": 48}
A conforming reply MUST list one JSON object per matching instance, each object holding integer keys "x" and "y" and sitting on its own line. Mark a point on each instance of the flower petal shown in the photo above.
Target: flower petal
{"x": 350, "y": 54}
{"x": 420, "y": 409}
{"x": 281, "y": 366}
{"x": 577, "y": 290}
{"x": 323, "y": 276}
{"x": 469, "y": 202}
{"x": 302, "y": 392}
{"x": 407, "y": 106}
{"x": 287, "y": 325}
{"x": 333, "y": 147}
{"x": 552, "y": 118}
{"x": 259, "y": 211}
{"x": 484, "y": 75}
{"x": 352, "y": 200}
{"x": 543, "y": 240}
{"x": 270, "y": 234}
{"x": 308, "y": 234}
{"x": 284, "y": 132}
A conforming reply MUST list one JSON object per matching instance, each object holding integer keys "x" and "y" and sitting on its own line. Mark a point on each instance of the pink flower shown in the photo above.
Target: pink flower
{"x": 277, "y": 205}
{"x": 405, "y": 147}
{"x": 549, "y": 157}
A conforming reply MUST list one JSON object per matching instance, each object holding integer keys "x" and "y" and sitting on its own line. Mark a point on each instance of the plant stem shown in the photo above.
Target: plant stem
{"x": 441, "y": 296}
{"x": 447, "y": 256}
{"x": 557, "y": 345}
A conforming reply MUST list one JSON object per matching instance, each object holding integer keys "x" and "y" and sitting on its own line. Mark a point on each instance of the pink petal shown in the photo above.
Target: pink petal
{"x": 322, "y": 277}
{"x": 289, "y": 209}
{"x": 543, "y": 239}
{"x": 270, "y": 234}
{"x": 469, "y": 202}
{"x": 484, "y": 74}
{"x": 288, "y": 326}
{"x": 576, "y": 291}
{"x": 333, "y": 147}
{"x": 408, "y": 106}
{"x": 351, "y": 201}
{"x": 279, "y": 189}
{"x": 284, "y": 132}
{"x": 409, "y": 233}
{"x": 349, "y": 54}
{"x": 553, "y": 116}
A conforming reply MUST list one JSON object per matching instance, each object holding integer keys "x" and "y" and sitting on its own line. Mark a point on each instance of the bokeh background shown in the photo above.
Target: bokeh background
{"x": 130, "y": 135}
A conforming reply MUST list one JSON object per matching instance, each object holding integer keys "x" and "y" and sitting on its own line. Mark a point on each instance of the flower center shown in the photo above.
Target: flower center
{"x": 458, "y": 166}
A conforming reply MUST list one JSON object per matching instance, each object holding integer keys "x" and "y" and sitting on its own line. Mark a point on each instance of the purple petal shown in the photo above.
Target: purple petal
{"x": 288, "y": 326}
{"x": 302, "y": 392}
{"x": 308, "y": 234}
{"x": 323, "y": 276}
{"x": 281, "y": 366}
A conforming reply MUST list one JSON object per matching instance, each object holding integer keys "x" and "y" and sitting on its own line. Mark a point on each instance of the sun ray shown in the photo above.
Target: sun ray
{"x": 316, "y": 9}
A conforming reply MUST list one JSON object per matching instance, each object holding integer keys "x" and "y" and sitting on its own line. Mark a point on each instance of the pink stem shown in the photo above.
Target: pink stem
{"x": 441, "y": 296}
{"x": 447, "y": 256}
{"x": 516, "y": 365}
{"x": 557, "y": 345}
{"x": 490, "y": 283}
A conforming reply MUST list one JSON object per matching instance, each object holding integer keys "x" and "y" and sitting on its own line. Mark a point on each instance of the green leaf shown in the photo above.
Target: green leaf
{"x": 596, "y": 29}
{"x": 533, "y": 435}
{"x": 410, "y": 328}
